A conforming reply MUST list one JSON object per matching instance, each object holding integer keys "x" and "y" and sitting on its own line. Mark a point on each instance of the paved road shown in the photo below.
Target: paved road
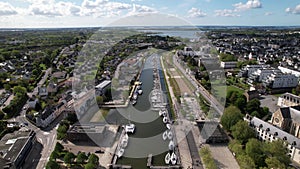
{"x": 213, "y": 101}
{"x": 42, "y": 81}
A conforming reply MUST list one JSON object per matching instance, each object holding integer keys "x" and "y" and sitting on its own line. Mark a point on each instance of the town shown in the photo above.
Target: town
{"x": 84, "y": 98}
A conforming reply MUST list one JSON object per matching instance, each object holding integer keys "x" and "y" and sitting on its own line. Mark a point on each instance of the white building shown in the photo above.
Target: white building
{"x": 249, "y": 69}
{"x": 290, "y": 71}
{"x": 280, "y": 80}
{"x": 267, "y": 132}
{"x": 228, "y": 65}
{"x": 288, "y": 99}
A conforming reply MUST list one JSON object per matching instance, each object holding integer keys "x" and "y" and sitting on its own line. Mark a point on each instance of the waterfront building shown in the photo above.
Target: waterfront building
{"x": 288, "y": 99}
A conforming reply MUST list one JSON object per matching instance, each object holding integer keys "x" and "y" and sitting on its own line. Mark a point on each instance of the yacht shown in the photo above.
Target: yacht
{"x": 168, "y": 126}
{"x": 120, "y": 152}
{"x": 170, "y": 135}
{"x": 173, "y": 158}
{"x": 135, "y": 96}
{"x": 165, "y": 120}
{"x": 171, "y": 145}
{"x": 165, "y": 135}
{"x": 124, "y": 141}
{"x": 167, "y": 158}
{"x": 129, "y": 128}
{"x": 140, "y": 91}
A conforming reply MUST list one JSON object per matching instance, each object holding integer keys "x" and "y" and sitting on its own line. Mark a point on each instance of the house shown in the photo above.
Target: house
{"x": 280, "y": 80}
{"x": 267, "y": 132}
{"x": 32, "y": 102}
{"x": 15, "y": 147}
{"x": 52, "y": 87}
{"x": 249, "y": 69}
{"x": 288, "y": 99}
{"x": 252, "y": 94}
{"x": 59, "y": 75}
{"x": 288, "y": 119}
{"x": 87, "y": 132}
{"x": 211, "y": 132}
{"x": 42, "y": 92}
{"x": 228, "y": 65}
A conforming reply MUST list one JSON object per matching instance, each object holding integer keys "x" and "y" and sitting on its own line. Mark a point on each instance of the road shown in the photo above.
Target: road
{"x": 46, "y": 137}
{"x": 213, "y": 101}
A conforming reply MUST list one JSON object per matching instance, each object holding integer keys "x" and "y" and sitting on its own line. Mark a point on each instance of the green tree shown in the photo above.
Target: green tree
{"x": 240, "y": 103}
{"x": 254, "y": 150}
{"x": 253, "y": 105}
{"x": 90, "y": 166}
{"x": 278, "y": 150}
{"x": 99, "y": 99}
{"x": 69, "y": 158}
{"x": 52, "y": 165}
{"x": 7, "y": 87}
{"x": 93, "y": 159}
{"x": 54, "y": 155}
{"x": 246, "y": 162}
{"x": 273, "y": 162}
{"x": 230, "y": 117}
{"x": 241, "y": 131}
{"x": 19, "y": 89}
{"x": 236, "y": 147}
{"x": 81, "y": 158}
{"x": 58, "y": 147}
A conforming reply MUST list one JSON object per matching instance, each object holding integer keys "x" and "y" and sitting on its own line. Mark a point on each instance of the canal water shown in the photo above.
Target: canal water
{"x": 147, "y": 138}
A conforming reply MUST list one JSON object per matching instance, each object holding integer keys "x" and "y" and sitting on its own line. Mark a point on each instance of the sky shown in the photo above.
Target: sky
{"x": 96, "y": 13}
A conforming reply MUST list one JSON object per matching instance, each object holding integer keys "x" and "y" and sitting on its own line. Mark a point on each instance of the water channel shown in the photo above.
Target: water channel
{"x": 147, "y": 138}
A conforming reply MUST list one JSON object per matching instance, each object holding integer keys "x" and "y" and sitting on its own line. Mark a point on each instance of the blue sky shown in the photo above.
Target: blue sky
{"x": 82, "y": 13}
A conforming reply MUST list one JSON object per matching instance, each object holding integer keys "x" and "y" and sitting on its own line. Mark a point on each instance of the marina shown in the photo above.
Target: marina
{"x": 136, "y": 154}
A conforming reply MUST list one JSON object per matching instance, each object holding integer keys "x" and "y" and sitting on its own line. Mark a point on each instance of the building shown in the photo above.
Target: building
{"x": 50, "y": 113}
{"x": 288, "y": 119}
{"x": 101, "y": 87}
{"x": 260, "y": 74}
{"x": 249, "y": 69}
{"x": 280, "y": 80}
{"x": 287, "y": 70}
{"x": 42, "y": 92}
{"x": 15, "y": 147}
{"x": 288, "y": 99}
{"x": 228, "y": 65}
{"x": 211, "y": 132}
{"x": 267, "y": 132}
{"x": 252, "y": 94}
{"x": 32, "y": 102}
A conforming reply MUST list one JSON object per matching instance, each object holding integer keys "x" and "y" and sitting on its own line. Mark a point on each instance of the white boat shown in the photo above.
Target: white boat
{"x": 124, "y": 141}
{"x": 165, "y": 135}
{"x": 160, "y": 113}
{"x": 138, "y": 87}
{"x": 134, "y": 96}
{"x": 168, "y": 126}
{"x": 173, "y": 158}
{"x": 167, "y": 158}
{"x": 140, "y": 91}
{"x": 165, "y": 120}
{"x": 133, "y": 102}
{"x": 171, "y": 145}
{"x": 170, "y": 135}
{"x": 120, "y": 152}
{"x": 129, "y": 128}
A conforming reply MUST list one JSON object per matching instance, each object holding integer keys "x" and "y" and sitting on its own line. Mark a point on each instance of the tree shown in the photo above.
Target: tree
{"x": 236, "y": 147}
{"x": 273, "y": 162}
{"x": 54, "y": 155}
{"x": 246, "y": 162}
{"x": 241, "y": 131}
{"x": 254, "y": 150}
{"x": 58, "y": 147}
{"x": 52, "y": 165}
{"x": 230, "y": 117}
{"x": 240, "y": 103}
{"x": 81, "y": 158}
{"x": 19, "y": 89}
{"x": 89, "y": 166}
{"x": 253, "y": 105}
{"x": 278, "y": 150}
{"x": 99, "y": 99}
{"x": 69, "y": 158}
{"x": 93, "y": 159}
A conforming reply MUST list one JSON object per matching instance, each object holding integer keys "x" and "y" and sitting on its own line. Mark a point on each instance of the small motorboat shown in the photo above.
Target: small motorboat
{"x": 129, "y": 128}
{"x": 124, "y": 141}
{"x": 133, "y": 102}
{"x": 167, "y": 158}
{"x": 140, "y": 91}
{"x": 168, "y": 126}
{"x": 165, "y": 135}
{"x": 171, "y": 145}
{"x": 165, "y": 120}
{"x": 120, "y": 152}
{"x": 173, "y": 158}
{"x": 135, "y": 96}
{"x": 170, "y": 135}
{"x": 161, "y": 112}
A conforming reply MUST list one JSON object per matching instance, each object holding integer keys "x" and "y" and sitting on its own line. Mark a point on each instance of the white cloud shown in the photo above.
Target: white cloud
{"x": 7, "y": 9}
{"x": 295, "y": 10}
{"x": 226, "y": 13}
{"x": 251, "y": 4}
{"x": 141, "y": 10}
{"x": 195, "y": 13}
{"x": 93, "y": 4}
